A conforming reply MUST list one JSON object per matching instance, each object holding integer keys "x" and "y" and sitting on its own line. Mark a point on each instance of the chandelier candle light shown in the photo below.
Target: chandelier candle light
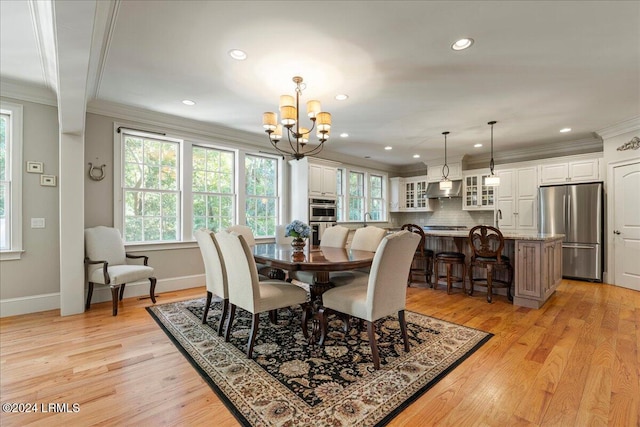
{"x": 290, "y": 118}
{"x": 446, "y": 183}
{"x": 492, "y": 180}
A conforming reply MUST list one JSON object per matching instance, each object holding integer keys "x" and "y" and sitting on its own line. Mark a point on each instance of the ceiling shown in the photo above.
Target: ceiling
{"x": 536, "y": 67}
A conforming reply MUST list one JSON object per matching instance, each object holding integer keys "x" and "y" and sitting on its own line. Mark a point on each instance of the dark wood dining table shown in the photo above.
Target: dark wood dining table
{"x": 317, "y": 259}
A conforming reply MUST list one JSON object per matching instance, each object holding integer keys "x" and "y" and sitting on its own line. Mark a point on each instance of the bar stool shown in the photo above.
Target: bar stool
{"x": 487, "y": 243}
{"x": 422, "y": 257}
{"x": 449, "y": 259}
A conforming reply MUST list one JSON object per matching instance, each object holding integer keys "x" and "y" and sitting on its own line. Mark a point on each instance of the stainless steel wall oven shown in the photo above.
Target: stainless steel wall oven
{"x": 322, "y": 210}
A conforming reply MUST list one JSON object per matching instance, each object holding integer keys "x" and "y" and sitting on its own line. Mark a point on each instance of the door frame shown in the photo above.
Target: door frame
{"x": 610, "y": 256}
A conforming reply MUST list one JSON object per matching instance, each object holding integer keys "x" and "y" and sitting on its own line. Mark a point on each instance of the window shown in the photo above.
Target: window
{"x": 339, "y": 195}
{"x": 261, "y": 178}
{"x": 356, "y": 196}
{"x": 213, "y": 188}
{"x": 10, "y": 181}
{"x": 376, "y": 200}
{"x": 151, "y": 189}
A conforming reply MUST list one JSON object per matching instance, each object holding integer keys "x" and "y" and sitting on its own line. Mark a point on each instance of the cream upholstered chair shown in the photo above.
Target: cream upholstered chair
{"x": 364, "y": 239}
{"x": 215, "y": 274}
{"x": 246, "y": 292}
{"x": 384, "y": 294}
{"x": 333, "y": 237}
{"x": 247, "y": 233}
{"x": 281, "y": 237}
{"x": 106, "y": 264}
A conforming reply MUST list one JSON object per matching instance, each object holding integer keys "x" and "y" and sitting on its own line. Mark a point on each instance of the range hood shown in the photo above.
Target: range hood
{"x": 434, "y": 191}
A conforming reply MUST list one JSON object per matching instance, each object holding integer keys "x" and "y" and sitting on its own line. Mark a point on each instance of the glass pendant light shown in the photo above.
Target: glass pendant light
{"x": 492, "y": 180}
{"x": 446, "y": 183}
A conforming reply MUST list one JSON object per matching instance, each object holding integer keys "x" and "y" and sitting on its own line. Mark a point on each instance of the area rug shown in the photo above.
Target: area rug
{"x": 289, "y": 382}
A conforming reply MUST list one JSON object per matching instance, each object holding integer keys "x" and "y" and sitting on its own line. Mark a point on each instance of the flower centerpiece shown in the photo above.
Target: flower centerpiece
{"x": 299, "y": 231}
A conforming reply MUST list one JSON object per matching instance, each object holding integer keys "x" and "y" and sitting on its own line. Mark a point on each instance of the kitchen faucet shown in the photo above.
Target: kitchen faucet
{"x": 365, "y": 218}
{"x": 498, "y": 218}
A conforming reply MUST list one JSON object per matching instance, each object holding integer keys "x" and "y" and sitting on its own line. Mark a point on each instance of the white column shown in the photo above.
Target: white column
{"x": 71, "y": 184}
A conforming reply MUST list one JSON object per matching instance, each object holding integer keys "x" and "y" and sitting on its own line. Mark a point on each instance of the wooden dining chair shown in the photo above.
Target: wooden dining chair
{"x": 250, "y": 294}
{"x": 215, "y": 274}
{"x": 382, "y": 295}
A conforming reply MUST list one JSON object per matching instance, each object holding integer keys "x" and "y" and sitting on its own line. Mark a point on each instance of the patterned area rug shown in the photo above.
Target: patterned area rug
{"x": 291, "y": 383}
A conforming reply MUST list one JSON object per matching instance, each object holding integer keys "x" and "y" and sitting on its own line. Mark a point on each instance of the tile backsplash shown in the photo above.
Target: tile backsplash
{"x": 446, "y": 212}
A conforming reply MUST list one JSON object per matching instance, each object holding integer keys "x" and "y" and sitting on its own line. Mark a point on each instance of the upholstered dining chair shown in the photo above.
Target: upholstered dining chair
{"x": 364, "y": 239}
{"x": 281, "y": 237}
{"x": 487, "y": 244}
{"x": 250, "y": 294}
{"x": 215, "y": 274}
{"x": 107, "y": 263}
{"x": 423, "y": 258}
{"x": 382, "y": 295}
{"x": 333, "y": 237}
{"x": 247, "y": 233}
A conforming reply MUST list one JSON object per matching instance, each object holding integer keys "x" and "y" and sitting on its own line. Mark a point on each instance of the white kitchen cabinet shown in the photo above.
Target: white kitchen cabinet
{"x": 475, "y": 194}
{"x": 434, "y": 172}
{"x": 409, "y": 194}
{"x": 322, "y": 180}
{"x": 517, "y": 199}
{"x": 396, "y": 194}
{"x": 584, "y": 170}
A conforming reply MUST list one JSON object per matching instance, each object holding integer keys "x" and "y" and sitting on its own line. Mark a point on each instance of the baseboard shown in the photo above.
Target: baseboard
{"x": 44, "y": 302}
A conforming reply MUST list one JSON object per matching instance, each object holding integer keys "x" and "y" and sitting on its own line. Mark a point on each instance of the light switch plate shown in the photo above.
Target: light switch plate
{"x": 48, "y": 180}
{"x": 37, "y": 222}
{"x": 35, "y": 167}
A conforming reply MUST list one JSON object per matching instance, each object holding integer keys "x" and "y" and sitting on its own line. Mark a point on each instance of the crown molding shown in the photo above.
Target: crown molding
{"x": 28, "y": 92}
{"x": 630, "y": 125}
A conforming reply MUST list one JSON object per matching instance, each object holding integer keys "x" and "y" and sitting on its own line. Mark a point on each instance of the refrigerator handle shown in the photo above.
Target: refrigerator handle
{"x": 564, "y": 213}
{"x": 568, "y": 212}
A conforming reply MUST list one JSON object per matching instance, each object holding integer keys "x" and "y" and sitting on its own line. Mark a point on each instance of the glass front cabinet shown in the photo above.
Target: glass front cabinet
{"x": 477, "y": 195}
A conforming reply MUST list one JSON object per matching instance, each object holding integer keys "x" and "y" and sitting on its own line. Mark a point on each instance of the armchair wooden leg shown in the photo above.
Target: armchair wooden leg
{"x": 371, "y": 330}
{"x": 306, "y": 311}
{"x": 232, "y": 313}
{"x": 152, "y": 289}
{"x": 206, "y": 307}
{"x": 403, "y": 329}
{"x": 223, "y": 316}
{"x": 122, "y": 291}
{"x": 252, "y": 335}
{"x": 322, "y": 319}
{"x": 273, "y": 316}
{"x": 89, "y": 295}
{"x": 114, "y": 298}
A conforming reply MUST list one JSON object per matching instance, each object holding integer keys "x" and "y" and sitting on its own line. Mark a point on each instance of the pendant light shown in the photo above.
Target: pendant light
{"x": 492, "y": 180}
{"x": 446, "y": 183}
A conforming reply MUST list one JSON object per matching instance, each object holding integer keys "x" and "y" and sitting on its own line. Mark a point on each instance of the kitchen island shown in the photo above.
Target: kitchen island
{"x": 536, "y": 259}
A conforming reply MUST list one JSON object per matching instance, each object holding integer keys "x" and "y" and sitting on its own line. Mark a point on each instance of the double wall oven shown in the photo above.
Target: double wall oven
{"x": 322, "y": 215}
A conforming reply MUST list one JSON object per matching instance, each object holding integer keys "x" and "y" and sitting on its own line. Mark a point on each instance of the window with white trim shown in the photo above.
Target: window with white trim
{"x": 356, "y": 196}
{"x": 213, "y": 188}
{"x": 376, "y": 198}
{"x": 261, "y": 191}
{"x": 151, "y": 189}
{"x": 10, "y": 181}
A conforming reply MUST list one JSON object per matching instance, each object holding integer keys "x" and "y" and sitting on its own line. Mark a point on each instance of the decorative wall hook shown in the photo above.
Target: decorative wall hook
{"x": 93, "y": 172}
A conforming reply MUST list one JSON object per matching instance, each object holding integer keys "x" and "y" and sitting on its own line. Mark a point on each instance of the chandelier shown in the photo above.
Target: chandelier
{"x": 492, "y": 180}
{"x": 297, "y": 136}
{"x": 446, "y": 183}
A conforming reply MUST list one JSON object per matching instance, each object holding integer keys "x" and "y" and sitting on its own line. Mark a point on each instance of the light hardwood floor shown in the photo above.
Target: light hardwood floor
{"x": 575, "y": 362}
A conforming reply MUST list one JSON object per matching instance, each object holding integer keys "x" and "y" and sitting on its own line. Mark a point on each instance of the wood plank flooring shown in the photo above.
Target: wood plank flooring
{"x": 574, "y": 362}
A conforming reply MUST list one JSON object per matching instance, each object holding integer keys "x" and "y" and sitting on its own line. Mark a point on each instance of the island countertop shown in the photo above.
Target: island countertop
{"x": 508, "y": 235}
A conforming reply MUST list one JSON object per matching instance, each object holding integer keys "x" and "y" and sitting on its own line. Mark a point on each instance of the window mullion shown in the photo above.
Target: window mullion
{"x": 186, "y": 223}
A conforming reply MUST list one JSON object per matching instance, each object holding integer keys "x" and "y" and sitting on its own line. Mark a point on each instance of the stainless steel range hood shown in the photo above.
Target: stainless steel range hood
{"x": 434, "y": 191}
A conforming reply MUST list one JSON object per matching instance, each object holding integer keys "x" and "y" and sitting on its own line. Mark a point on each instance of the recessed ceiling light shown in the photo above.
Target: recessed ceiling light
{"x": 462, "y": 44}
{"x": 188, "y": 102}
{"x": 344, "y": 135}
{"x": 565, "y": 130}
{"x": 388, "y": 147}
{"x": 416, "y": 156}
{"x": 342, "y": 97}
{"x": 477, "y": 145}
{"x": 238, "y": 54}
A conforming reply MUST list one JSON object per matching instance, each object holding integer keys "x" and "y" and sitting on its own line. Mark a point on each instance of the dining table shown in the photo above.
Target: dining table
{"x": 321, "y": 260}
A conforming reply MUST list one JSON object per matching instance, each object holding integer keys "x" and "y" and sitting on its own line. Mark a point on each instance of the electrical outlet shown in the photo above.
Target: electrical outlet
{"x": 37, "y": 222}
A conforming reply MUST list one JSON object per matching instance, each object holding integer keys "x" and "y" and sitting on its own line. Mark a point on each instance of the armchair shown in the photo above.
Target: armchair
{"x": 106, "y": 264}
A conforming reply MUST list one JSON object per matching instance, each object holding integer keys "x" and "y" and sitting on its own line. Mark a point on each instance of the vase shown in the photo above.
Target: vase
{"x": 298, "y": 244}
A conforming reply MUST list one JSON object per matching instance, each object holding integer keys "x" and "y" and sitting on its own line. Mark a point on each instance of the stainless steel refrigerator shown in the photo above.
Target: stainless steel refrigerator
{"x": 576, "y": 211}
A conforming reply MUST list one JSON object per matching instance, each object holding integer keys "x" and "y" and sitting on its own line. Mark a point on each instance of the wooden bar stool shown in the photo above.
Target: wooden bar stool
{"x": 487, "y": 243}
{"x": 423, "y": 259}
{"x": 449, "y": 259}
